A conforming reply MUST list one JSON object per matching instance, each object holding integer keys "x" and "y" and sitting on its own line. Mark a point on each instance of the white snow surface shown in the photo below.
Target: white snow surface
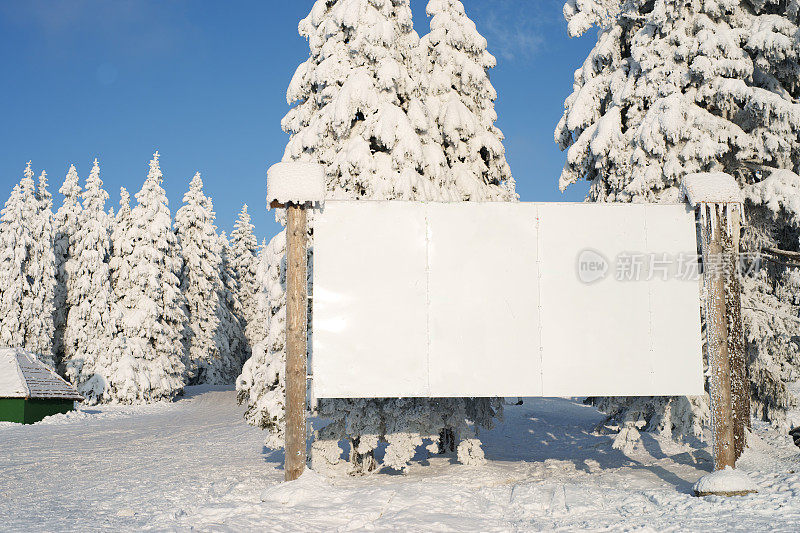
{"x": 295, "y": 181}
{"x": 711, "y": 187}
{"x": 195, "y": 464}
{"x": 727, "y": 480}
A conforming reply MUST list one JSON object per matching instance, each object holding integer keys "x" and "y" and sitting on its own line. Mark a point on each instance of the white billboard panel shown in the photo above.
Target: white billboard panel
{"x": 503, "y": 299}
{"x": 370, "y": 328}
{"x": 678, "y": 326}
{"x": 595, "y": 334}
{"x": 483, "y": 293}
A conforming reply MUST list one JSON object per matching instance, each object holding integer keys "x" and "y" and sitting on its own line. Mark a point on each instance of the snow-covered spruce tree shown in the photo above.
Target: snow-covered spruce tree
{"x": 90, "y": 327}
{"x": 215, "y": 350}
{"x": 27, "y": 270}
{"x": 149, "y": 352}
{"x": 231, "y": 309}
{"x": 232, "y": 286}
{"x": 15, "y": 244}
{"x": 259, "y": 321}
{"x": 65, "y": 225}
{"x": 44, "y": 282}
{"x": 261, "y": 383}
{"x": 680, "y": 86}
{"x": 231, "y": 300}
{"x": 242, "y": 258}
{"x": 460, "y": 98}
{"x": 361, "y": 112}
{"x": 121, "y": 245}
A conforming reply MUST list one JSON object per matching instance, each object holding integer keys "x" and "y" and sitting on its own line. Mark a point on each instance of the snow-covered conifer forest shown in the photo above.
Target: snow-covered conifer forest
{"x": 137, "y": 302}
{"x": 131, "y": 307}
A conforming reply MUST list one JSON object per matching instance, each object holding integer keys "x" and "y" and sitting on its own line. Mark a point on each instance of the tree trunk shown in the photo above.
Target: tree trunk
{"x": 447, "y": 441}
{"x": 362, "y": 463}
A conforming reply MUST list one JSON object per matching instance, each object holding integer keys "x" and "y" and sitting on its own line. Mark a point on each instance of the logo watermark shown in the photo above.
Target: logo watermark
{"x": 592, "y": 266}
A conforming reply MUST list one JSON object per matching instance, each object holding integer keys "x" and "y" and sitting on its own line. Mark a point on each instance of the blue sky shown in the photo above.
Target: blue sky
{"x": 205, "y": 83}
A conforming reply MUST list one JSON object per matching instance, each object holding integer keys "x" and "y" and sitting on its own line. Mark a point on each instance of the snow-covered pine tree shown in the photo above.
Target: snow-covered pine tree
{"x": 230, "y": 311}
{"x": 121, "y": 246}
{"x": 231, "y": 285}
{"x": 215, "y": 351}
{"x": 230, "y": 297}
{"x": 90, "y": 326}
{"x": 243, "y": 262}
{"x": 65, "y": 225}
{"x": 680, "y": 86}
{"x": 260, "y": 320}
{"x": 27, "y": 296}
{"x": 149, "y": 350}
{"x": 460, "y": 98}
{"x": 361, "y": 113}
{"x": 44, "y": 280}
{"x": 15, "y": 245}
{"x": 261, "y": 383}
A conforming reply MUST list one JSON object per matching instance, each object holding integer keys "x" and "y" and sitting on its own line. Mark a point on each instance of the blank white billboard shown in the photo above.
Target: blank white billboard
{"x": 504, "y": 299}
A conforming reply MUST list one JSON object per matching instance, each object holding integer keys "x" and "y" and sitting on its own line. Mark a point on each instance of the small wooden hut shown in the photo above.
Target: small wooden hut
{"x": 29, "y": 390}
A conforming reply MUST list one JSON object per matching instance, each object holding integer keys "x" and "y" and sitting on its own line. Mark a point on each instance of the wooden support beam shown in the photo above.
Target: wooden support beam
{"x": 720, "y": 201}
{"x": 740, "y": 382}
{"x": 717, "y": 341}
{"x": 296, "y": 339}
{"x": 295, "y": 186}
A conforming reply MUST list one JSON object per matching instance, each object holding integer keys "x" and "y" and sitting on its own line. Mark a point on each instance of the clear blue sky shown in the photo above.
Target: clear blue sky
{"x": 205, "y": 83}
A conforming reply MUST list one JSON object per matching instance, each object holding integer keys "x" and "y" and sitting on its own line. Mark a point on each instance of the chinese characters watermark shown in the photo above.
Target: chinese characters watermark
{"x": 593, "y": 267}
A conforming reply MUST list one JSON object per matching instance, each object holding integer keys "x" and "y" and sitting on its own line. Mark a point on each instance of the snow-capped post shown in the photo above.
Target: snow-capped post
{"x": 295, "y": 186}
{"x": 720, "y": 202}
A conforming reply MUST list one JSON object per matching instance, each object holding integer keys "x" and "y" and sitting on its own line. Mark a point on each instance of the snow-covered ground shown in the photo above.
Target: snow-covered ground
{"x": 196, "y": 464}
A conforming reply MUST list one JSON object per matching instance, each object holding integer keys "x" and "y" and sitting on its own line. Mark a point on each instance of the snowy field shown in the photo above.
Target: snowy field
{"x": 195, "y": 464}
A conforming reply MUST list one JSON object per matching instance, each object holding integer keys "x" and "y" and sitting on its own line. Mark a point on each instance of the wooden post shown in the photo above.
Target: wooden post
{"x": 740, "y": 382}
{"x": 721, "y": 203}
{"x": 717, "y": 338}
{"x": 296, "y": 185}
{"x": 296, "y": 326}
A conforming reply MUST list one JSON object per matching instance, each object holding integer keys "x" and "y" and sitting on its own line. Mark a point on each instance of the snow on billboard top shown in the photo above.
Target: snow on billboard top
{"x": 295, "y": 181}
{"x": 22, "y": 375}
{"x": 505, "y": 299}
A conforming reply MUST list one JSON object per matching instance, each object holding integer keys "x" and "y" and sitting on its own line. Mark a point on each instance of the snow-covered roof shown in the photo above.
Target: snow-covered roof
{"x": 711, "y": 188}
{"x": 22, "y": 375}
{"x": 295, "y": 181}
